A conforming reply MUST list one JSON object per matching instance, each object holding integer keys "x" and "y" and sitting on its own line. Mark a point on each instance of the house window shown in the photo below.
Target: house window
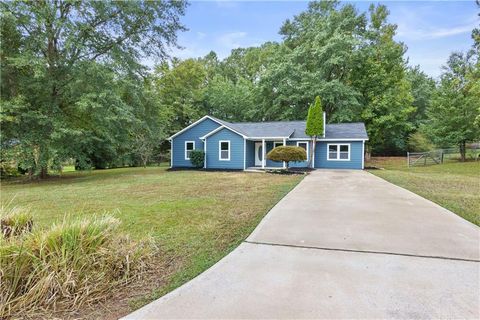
{"x": 339, "y": 152}
{"x": 304, "y": 145}
{"x": 189, "y": 146}
{"x": 277, "y": 144}
{"x": 224, "y": 150}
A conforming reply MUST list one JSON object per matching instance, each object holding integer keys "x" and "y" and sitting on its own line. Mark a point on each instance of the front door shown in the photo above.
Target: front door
{"x": 258, "y": 154}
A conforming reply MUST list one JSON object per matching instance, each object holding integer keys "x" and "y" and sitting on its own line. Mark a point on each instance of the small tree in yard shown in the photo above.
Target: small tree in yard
{"x": 197, "y": 158}
{"x": 315, "y": 125}
{"x": 287, "y": 154}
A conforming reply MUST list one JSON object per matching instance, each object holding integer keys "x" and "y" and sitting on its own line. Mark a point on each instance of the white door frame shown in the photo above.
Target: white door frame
{"x": 258, "y": 160}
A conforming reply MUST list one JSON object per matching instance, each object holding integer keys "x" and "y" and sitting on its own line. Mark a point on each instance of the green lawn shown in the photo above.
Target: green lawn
{"x": 197, "y": 217}
{"x": 453, "y": 185}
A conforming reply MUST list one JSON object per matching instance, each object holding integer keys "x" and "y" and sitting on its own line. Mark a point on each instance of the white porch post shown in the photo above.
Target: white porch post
{"x": 284, "y": 144}
{"x": 263, "y": 153}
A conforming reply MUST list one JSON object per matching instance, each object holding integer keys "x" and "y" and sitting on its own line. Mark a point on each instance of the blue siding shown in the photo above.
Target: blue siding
{"x": 250, "y": 157}
{"x": 355, "y": 156}
{"x": 236, "y": 150}
{"x": 192, "y": 134}
{"x": 299, "y": 164}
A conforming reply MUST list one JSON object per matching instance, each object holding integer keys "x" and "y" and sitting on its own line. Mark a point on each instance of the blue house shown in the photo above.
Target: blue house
{"x": 244, "y": 145}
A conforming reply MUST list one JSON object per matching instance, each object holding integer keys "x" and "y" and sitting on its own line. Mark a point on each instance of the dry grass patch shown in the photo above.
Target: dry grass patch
{"x": 67, "y": 266}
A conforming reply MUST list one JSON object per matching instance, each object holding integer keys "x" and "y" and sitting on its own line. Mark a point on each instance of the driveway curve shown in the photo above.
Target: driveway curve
{"x": 342, "y": 244}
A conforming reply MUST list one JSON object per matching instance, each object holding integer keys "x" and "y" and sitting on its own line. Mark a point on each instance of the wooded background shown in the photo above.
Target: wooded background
{"x": 73, "y": 85}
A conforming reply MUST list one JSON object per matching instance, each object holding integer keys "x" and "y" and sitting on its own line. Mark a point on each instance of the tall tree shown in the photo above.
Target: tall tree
{"x": 56, "y": 41}
{"x": 180, "y": 88}
{"x": 422, "y": 90}
{"x": 378, "y": 74}
{"x": 314, "y": 127}
{"x": 314, "y": 58}
{"x": 456, "y": 105}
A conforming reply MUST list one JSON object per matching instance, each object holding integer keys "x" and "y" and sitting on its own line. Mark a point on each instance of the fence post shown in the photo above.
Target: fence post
{"x": 408, "y": 159}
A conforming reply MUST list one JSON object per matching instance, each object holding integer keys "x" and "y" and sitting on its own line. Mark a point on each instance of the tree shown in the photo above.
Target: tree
{"x": 180, "y": 89}
{"x": 315, "y": 58}
{"x": 422, "y": 89}
{"x": 55, "y": 43}
{"x": 379, "y": 76}
{"x": 287, "y": 154}
{"x": 418, "y": 142}
{"x": 315, "y": 125}
{"x": 456, "y": 105}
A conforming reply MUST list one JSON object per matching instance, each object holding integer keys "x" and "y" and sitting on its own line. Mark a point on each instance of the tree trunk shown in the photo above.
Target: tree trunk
{"x": 462, "y": 151}
{"x": 43, "y": 172}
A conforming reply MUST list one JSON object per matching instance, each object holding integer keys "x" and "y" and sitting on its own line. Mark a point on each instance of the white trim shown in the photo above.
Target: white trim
{"x": 270, "y": 138}
{"x": 255, "y": 152}
{"x": 323, "y": 139}
{"x": 363, "y": 155}
{"x": 220, "y": 128}
{"x": 308, "y": 147}
{"x": 189, "y": 141}
{"x": 220, "y": 150}
{"x": 313, "y": 153}
{"x": 171, "y": 153}
{"x": 244, "y": 153}
{"x": 193, "y": 124}
{"x": 263, "y": 153}
{"x": 205, "y": 154}
{"x": 284, "y": 143}
{"x": 338, "y": 151}
{"x": 324, "y": 123}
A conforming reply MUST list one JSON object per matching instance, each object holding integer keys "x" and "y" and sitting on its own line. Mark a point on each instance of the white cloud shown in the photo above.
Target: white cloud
{"x": 407, "y": 32}
{"x": 232, "y": 40}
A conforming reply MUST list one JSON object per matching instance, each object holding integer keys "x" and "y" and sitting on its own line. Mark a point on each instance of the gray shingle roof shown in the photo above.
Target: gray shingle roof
{"x": 296, "y": 129}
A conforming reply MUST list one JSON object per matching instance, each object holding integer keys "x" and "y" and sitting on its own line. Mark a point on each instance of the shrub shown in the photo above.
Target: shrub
{"x": 418, "y": 142}
{"x": 287, "y": 154}
{"x": 197, "y": 157}
{"x": 67, "y": 265}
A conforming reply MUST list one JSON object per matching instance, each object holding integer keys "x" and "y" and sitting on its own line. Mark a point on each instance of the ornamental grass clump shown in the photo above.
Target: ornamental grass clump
{"x": 15, "y": 221}
{"x": 70, "y": 264}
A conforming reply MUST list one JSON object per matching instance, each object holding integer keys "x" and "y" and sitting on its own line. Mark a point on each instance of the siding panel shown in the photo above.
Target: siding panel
{"x": 250, "y": 153}
{"x": 355, "y": 156}
{"x": 236, "y": 150}
{"x": 192, "y": 134}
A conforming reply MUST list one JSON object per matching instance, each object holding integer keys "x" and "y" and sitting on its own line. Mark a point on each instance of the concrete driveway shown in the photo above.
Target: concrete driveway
{"x": 342, "y": 244}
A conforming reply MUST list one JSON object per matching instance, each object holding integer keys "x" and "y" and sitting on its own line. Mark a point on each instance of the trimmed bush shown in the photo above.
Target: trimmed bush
{"x": 68, "y": 265}
{"x": 287, "y": 154}
{"x": 197, "y": 157}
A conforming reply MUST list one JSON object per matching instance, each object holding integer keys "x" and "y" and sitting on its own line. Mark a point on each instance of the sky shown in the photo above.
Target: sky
{"x": 431, "y": 29}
